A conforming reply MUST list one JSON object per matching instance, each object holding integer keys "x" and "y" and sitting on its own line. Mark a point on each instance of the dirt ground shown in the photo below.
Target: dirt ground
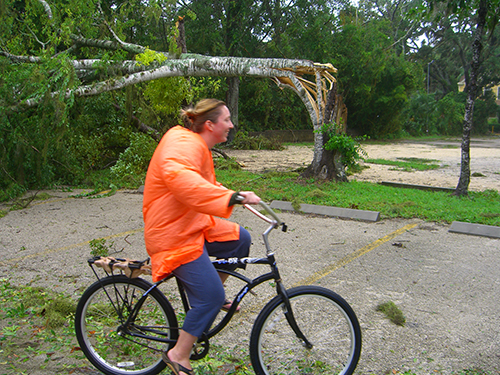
{"x": 484, "y": 153}
{"x": 446, "y": 284}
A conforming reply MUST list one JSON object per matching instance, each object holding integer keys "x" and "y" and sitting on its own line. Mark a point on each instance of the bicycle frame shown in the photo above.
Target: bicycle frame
{"x": 250, "y": 284}
{"x": 280, "y": 290}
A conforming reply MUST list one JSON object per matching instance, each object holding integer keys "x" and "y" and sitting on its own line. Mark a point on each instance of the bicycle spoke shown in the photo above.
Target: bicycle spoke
{"x": 333, "y": 333}
{"x": 116, "y": 346}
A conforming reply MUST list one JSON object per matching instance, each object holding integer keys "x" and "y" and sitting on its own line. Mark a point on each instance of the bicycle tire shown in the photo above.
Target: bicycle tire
{"x": 97, "y": 323}
{"x": 327, "y": 321}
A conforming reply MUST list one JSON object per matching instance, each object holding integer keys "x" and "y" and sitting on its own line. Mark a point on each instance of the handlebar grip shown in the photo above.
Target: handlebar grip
{"x": 271, "y": 212}
{"x": 239, "y": 199}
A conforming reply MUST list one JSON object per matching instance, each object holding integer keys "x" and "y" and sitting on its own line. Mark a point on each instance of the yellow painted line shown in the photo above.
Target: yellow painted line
{"x": 349, "y": 258}
{"x": 50, "y": 251}
{"x": 49, "y": 201}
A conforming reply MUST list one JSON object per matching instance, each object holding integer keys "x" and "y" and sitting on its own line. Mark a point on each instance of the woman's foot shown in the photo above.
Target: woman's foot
{"x": 175, "y": 367}
{"x": 227, "y": 305}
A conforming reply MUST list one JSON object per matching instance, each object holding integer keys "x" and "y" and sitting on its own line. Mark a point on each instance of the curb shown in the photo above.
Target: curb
{"x": 475, "y": 229}
{"x": 348, "y": 213}
{"x": 329, "y": 211}
{"x": 419, "y": 187}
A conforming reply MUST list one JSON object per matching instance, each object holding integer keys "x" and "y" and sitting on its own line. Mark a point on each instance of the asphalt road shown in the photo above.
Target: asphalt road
{"x": 446, "y": 284}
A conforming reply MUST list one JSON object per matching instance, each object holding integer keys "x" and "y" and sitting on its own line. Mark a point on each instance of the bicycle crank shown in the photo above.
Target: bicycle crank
{"x": 200, "y": 348}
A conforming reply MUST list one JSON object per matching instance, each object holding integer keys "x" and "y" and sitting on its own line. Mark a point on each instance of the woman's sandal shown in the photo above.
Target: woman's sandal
{"x": 175, "y": 367}
{"x": 227, "y": 305}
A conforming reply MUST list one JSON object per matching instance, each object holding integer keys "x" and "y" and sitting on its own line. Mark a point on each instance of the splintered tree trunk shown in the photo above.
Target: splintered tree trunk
{"x": 471, "y": 87}
{"x": 181, "y": 39}
{"x": 327, "y": 165}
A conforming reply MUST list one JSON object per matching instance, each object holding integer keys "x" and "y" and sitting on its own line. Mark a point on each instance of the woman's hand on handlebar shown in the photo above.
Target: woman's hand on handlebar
{"x": 249, "y": 197}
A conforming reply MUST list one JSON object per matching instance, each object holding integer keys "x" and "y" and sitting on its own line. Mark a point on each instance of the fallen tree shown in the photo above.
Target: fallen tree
{"x": 313, "y": 82}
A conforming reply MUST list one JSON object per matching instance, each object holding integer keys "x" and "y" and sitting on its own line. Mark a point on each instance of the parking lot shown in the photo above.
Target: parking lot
{"x": 446, "y": 284}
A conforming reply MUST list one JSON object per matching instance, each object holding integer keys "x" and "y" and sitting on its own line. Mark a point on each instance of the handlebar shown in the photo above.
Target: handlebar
{"x": 277, "y": 221}
{"x": 274, "y": 223}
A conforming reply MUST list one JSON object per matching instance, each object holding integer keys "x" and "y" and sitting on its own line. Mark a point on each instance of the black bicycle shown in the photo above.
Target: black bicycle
{"x": 123, "y": 323}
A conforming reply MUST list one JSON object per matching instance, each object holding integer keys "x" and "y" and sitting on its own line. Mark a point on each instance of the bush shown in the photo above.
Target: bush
{"x": 425, "y": 116}
{"x": 484, "y": 108}
{"x": 495, "y": 127}
{"x": 450, "y": 119}
{"x": 11, "y": 191}
{"x": 420, "y": 115}
{"x": 348, "y": 147}
{"x": 242, "y": 141}
{"x": 133, "y": 162}
{"x": 224, "y": 164}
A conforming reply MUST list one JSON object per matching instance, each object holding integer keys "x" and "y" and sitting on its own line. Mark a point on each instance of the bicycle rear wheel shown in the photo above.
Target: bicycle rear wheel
{"x": 326, "y": 320}
{"x": 113, "y": 347}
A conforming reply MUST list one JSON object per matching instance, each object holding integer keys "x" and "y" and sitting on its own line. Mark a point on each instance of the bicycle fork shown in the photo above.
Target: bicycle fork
{"x": 289, "y": 314}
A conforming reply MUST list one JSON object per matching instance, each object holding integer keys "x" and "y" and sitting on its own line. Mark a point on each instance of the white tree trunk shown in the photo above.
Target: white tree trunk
{"x": 195, "y": 66}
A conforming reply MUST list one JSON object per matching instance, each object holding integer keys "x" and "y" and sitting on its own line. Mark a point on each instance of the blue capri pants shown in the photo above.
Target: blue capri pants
{"x": 203, "y": 285}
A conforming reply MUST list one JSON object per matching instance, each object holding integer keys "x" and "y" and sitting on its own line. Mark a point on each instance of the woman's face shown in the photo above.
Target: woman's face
{"x": 222, "y": 126}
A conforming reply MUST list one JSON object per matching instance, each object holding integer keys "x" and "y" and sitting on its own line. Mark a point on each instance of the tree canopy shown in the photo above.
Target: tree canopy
{"x": 77, "y": 79}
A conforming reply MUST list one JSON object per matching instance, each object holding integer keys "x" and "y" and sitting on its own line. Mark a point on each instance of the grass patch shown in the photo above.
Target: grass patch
{"x": 28, "y": 301}
{"x": 27, "y": 341}
{"x": 477, "y": 174}
{"x": 23, "y": 202}
{"x": 36, "y": 330}
{"x": 392, "y": 312}
{"x": 473, "y": 371}
{"x": 300, "y": 144}
{"x": 226, "y": 164}
{"x": 220, "y": 359}
{"x": 391, "y": 202}
{"x": 407, "y": 164}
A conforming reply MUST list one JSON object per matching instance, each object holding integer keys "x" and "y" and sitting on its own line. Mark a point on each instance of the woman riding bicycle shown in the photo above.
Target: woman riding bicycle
{"x": 181, "y": 208}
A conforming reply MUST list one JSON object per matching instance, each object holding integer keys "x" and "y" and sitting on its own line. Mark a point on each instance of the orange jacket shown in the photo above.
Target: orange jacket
{"x": 181, "y": 198}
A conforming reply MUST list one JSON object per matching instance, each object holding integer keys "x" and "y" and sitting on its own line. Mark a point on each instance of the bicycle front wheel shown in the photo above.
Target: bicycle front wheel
{"x": 115, "y": 345}
{"x": 326, "y": 320}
